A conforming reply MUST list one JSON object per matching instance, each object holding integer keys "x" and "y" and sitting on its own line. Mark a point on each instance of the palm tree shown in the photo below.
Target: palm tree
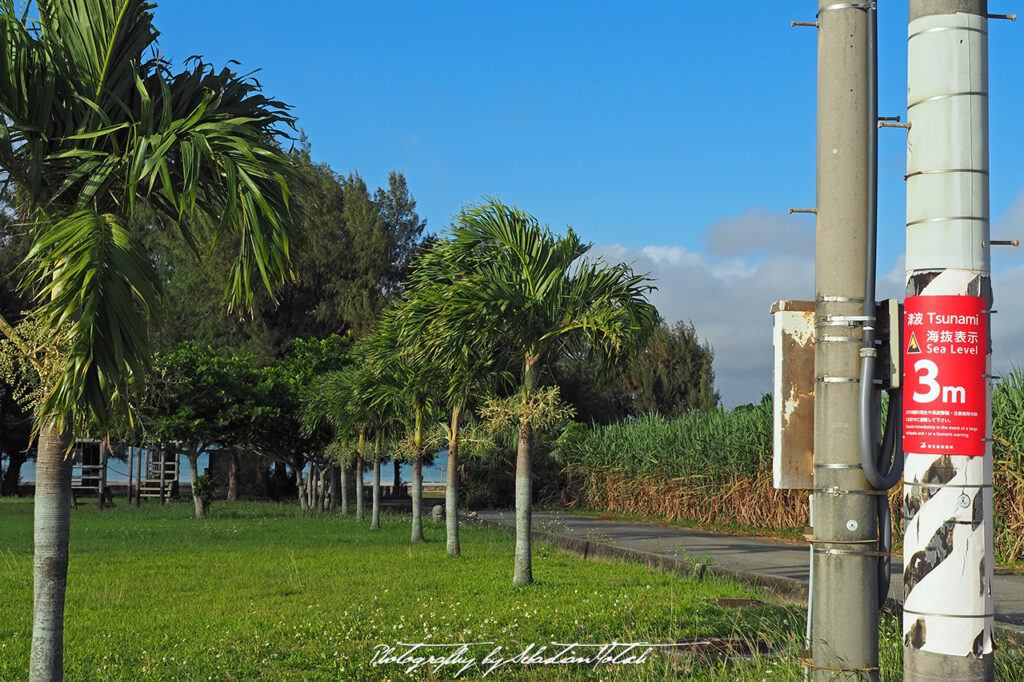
{"x": 406, "y": 377}
{"x": 470, "y": 365}
{"x": 356, "y": 403}
{"x": 94, "y": 125}
{"x": 534, "y": 293}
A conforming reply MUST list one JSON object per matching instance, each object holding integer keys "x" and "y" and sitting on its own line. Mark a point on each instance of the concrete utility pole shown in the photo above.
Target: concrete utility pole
{"x": 844, "y": 634}
{"x": 948, "y": 497}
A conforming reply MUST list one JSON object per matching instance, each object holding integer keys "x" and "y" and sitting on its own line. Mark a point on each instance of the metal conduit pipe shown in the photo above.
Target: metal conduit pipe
{"x": 883, "y": 466}
{"x": 869, "y": 450}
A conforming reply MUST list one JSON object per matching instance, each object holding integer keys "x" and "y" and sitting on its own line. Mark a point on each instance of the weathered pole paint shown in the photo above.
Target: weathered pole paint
{"x": 844, "y": 636}
{"x": 947, "y": 551}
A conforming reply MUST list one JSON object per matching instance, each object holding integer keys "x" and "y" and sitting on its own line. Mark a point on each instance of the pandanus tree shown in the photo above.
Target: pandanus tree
{"x": 468, "y": 365}
{"x": 533, "y": 293}
{"x": 93, "y": 125}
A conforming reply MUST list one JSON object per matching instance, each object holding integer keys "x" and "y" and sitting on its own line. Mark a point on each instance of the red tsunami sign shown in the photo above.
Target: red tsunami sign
{"x": 944, "y": 403}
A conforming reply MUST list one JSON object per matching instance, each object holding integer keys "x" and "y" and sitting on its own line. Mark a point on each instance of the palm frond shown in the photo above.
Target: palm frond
{"x": 93, "y": 279}
{"x": 92, "y": 124}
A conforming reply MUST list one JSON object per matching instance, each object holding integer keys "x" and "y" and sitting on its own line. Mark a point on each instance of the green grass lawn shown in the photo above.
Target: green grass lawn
{"x": 265, "y": 592}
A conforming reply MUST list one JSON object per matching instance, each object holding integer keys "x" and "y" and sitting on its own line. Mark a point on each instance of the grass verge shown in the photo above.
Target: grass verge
{"x": 267, "y": 592}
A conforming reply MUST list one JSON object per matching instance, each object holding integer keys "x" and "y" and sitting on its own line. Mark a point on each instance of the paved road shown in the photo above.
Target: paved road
{"x": 731, "y": 552}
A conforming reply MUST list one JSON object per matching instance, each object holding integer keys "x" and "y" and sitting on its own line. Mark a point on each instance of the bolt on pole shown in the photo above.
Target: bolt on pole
{"x": 948, "y": 558}
{"x": 844, "y": 634}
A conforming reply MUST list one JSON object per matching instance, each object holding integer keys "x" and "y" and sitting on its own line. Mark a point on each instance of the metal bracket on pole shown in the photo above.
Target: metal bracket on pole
{"x": 882, "y": 123}
{"x": 804, "y": 23}
{"x": 802, "y": 210}
{"x": 847, "y": 5}
{"x": 1001, "y": 242}
{"x": 1011, "y": 17}
{"x": 838, "y": 299}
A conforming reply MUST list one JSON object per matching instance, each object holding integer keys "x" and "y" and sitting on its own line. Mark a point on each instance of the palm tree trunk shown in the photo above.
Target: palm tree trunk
{"x": 303, "y": 498}
{"x": 360, "y": 511}
{"x": 321, "y": 496}
{"x": 50, "y": 564}
{"x": 417, "y": 499}
{"x": 360, "y": 505}
{"x": 344, "y": 489}
{"x": 193, "y": 467}
{"x": 311, "y": 486}
{"x": 375, "y": 520}
{"x": 417, "y": 480}
{"x": 233, "y": 477}
{"x": 451, "y": 490}
{"x": 397, "y": 480}
{"x": 335, "y": 487}
{"x": 523, "y": 573}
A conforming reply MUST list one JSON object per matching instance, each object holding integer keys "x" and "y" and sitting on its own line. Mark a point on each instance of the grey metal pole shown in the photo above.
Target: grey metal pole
{"x": 948, "y": 542}
{"x": 844, "y": 636}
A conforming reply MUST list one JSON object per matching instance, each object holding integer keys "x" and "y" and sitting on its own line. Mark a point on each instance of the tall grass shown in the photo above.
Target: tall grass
{"x": 715, "y": 445}
{"x": 716, "y": 468}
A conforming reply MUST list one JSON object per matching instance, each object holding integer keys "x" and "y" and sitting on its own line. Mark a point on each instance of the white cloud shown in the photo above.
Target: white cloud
{"x": 1008, "y": 323}
{"x": 727, "y": 296}
{"x": 760, "y": 232}
{"x": 728, "y": 303}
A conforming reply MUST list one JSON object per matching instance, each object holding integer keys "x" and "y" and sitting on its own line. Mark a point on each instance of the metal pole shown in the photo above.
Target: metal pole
{"x": 844, "y": 636}
{"x": 947, "y": 548}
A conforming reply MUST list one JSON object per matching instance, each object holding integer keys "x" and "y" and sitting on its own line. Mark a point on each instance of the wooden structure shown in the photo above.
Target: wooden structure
{"x": 89, "y": 471}
{"x": 160, "y": 474}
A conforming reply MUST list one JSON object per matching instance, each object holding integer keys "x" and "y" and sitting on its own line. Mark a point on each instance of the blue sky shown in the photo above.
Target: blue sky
{"x": 671, "y": 134}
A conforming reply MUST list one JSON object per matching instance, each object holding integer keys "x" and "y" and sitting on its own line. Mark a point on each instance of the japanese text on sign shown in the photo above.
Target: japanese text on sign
{"x": 944, "y": 400}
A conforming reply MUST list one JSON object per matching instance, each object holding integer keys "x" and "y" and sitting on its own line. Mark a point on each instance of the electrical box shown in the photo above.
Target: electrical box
{"x": 793, "y": 395}
{"x": 888, "y": 334}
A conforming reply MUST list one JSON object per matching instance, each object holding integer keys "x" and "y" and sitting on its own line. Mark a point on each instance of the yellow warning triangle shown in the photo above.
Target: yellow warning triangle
{"x": 913, "y": 346}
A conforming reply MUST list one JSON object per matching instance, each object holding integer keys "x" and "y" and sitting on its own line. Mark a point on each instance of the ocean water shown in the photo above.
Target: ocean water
{"x": 117, "y": 471}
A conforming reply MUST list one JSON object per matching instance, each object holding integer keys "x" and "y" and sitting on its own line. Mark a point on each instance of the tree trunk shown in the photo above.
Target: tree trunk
{"x": 417, "y": 499}
{"x": 360, "y": 505}
{"x": 138, "y": 479}
{"x": 397, "y": 480}
{"x": 321, "y": 502}
{"x": 344, "y": 489}
{"x": 10, "y": 482}
{"x": 303, "y": 499}
{"x": 193, "y": 468}
{"x": 335, "y": 487}
{"x": 451, "y": 490}
{"x": 261, "y": 479}
{"x": 50, "y": 562}
{"x": 233, "y": 476}
{"x": 375, "y": 520}
{"x": 523, "y": 573}
{"x": 163, "y": 473}
{"x": 311, "y": 486}
{"x": 131, "y": 471}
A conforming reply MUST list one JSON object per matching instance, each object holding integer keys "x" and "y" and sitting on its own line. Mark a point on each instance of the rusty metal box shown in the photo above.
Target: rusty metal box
{"x": 793, "y": 395}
